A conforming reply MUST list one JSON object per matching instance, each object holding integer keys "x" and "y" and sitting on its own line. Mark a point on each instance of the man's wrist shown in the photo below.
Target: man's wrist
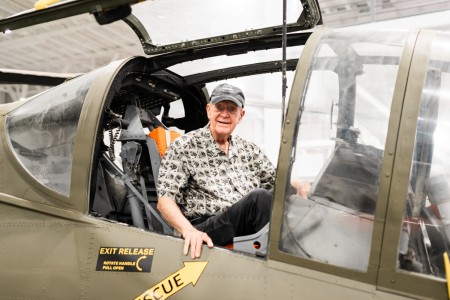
{"x": 186, "y": 229}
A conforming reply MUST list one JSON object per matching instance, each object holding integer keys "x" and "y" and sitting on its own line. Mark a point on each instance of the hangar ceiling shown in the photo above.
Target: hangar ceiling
{"x": 78, "y": 44}
{"x": 352, "y": 12}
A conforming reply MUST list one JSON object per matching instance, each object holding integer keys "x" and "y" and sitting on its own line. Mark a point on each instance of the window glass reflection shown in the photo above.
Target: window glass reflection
{"x": 42, "y": 132}
{"x": 426, "y": 225}
{"x": 334, "y": 177}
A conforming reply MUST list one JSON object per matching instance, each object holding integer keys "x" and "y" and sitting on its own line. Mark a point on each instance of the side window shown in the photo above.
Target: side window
{"x": 425, "y": 230}
{"x": 42, "y": 132}
{"x": 336, "y": 162}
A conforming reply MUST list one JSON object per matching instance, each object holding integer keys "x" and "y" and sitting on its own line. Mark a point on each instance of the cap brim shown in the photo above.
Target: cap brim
{"x": 220, "y": 98}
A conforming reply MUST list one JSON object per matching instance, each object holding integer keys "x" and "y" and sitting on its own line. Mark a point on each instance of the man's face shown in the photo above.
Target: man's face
{"x": 224, "y": 117}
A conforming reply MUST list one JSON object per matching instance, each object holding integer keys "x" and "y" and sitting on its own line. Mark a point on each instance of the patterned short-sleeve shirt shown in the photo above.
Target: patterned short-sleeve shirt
{"x": 203, "y": 180}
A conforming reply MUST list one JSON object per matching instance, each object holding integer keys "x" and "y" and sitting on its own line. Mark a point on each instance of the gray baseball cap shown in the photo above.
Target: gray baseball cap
{"x": 229, "y": 92}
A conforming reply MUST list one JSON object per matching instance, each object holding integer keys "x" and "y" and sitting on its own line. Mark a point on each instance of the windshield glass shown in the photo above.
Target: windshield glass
{"x": 337, "y": 155}
{"x": 174, "y": 21}
{"x": 42, "y": 132}
{"x": 425, "y": 232}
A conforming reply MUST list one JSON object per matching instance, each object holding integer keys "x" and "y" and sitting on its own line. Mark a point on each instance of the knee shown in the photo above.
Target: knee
{"x": 262, "y": 193}
{"x": 262, "y": 196}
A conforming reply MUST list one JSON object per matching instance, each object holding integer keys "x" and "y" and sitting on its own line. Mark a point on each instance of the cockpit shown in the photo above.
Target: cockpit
{"x": 129, "y": 156}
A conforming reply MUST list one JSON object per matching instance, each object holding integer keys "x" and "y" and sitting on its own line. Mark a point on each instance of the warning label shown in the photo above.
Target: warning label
{"x": 125, "y": 259}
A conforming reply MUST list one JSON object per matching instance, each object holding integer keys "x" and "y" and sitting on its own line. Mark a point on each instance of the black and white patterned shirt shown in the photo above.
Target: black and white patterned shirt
{"x": 203, "y": 180}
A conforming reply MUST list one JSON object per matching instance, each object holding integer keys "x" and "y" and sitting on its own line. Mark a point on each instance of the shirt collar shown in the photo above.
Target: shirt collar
{"x": 206, "y": 133}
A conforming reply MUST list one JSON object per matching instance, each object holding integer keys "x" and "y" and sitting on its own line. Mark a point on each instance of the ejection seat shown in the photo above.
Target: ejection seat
{"x": 122, "y": 194}
{"x": 154, "y": 144}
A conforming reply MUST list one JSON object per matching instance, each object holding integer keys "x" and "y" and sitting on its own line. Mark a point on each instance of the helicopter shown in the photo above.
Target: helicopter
{"x": 365, "y": 126}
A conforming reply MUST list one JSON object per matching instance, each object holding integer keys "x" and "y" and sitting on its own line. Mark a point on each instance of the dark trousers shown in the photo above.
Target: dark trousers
{"x": 247, "y": 216}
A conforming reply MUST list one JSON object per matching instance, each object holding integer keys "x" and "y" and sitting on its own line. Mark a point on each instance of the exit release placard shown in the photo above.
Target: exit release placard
{"x": 125, "y": 259}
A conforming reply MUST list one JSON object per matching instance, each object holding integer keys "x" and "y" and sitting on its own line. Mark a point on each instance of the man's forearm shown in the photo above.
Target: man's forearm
{"x": 173, "y": 215}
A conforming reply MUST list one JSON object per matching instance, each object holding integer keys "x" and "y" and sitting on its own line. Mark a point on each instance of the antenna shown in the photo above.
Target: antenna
{"x": 283, "y": 65}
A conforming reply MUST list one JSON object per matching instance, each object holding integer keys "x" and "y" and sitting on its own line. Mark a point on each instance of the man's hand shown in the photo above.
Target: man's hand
{"x": 194, "y": 239}
{"x": 302, "y": 187}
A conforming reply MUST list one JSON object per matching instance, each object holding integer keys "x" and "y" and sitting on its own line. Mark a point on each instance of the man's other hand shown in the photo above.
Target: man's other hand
{"x": 194, "y": 239}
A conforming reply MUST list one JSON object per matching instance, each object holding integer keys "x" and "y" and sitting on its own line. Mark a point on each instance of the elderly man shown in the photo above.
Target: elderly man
{"x": 213, "y": 185}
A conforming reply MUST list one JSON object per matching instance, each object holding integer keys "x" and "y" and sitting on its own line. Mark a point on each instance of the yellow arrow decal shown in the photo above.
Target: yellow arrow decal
{"x": 41, "y": 4}
{"x": 190, "y": 273}
{"x": 447, "y": 272}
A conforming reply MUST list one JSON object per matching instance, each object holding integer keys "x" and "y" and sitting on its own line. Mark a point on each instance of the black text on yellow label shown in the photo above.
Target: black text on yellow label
{"x": 125, "y": 259}
{"x": 189, "y": 274}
